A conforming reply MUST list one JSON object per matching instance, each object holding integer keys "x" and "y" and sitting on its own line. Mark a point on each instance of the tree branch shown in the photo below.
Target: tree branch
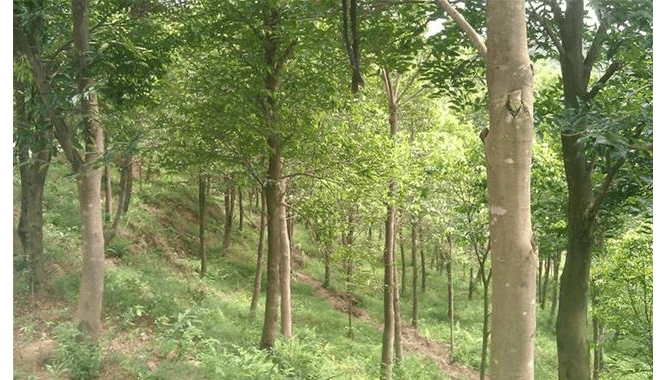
{"x": 612, "y": 68}
{"x": 549, "y": 31}
{"x": 594, "y": 50}
{"x": 601, "y": 195}
{"x": 465, "y": 26}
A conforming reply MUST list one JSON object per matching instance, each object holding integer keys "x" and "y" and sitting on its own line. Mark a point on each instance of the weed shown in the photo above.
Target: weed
{"x": 77, "y": 355}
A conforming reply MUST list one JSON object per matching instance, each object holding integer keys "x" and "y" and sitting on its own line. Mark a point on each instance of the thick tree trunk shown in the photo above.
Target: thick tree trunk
{"x": 260, "y": 258}
{"x": 486, "y": 324}
{"x": 572, "y": 341}
{"x": 269, "y": 331}
{"x": 202, "y": 222}
{"x": 285, "y": 264}
{"x": 508, "y": 155}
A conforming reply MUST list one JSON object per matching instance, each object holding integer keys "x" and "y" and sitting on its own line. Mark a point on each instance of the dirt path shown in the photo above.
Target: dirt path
{"x": 411, "y": 340}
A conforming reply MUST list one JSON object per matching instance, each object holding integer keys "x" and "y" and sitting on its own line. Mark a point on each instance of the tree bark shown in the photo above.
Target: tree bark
{"x": 108, "y": 193}
{"x": 508, "y": 155}
{"x": 260, "y": 258}
{"x": 403, "y": 273}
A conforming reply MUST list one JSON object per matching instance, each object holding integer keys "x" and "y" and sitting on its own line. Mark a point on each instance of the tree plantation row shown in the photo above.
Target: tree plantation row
{"x": 512, "y": 139}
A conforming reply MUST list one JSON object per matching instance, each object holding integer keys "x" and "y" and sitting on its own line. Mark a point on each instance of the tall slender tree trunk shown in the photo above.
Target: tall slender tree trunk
{"x": 274, "y": 228}
{"x": 415, "y": 278}
{"x": 108, "y": 193}
{"x": 508, "y": 154}
{"x": 327, "y": 264}
{"x": 260, "y": 258}
{"x": 449, "y": 276}
{"x": 423, "y": 264}
{"x": 229, "y": 200}
{"x": 486, "y": 322}
{"x": 403, "y": 273}
{"x": 545, "y": 283}
{"x": 389, "y": 283}
{"x": 89, "y": 306}
{"x": 240, "y": 209}
{"x": 285, "y": 265}
{"x": 389, "y": 245}
{"x": 202, "y": 222}
{"x": 556, "y": 288}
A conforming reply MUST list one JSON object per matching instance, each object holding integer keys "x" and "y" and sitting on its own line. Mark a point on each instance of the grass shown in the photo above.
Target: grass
{"x": 164, "y": 321}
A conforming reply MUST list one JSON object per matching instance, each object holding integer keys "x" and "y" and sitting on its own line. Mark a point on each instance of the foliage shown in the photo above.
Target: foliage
{"x": 624, "y": 278}
{"x": 76, "y": 353}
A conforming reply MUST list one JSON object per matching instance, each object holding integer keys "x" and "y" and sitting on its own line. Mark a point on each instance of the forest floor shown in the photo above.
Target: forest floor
{"x": 411, "y": 340}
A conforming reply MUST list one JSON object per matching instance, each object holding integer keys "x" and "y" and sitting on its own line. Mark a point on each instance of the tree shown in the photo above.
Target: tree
{"x": 508, "y": 155}
{"x": 581, "y": 144}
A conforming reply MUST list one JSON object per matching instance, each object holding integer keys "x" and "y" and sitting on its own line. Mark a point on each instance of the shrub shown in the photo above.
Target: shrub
{"x": 81, "y": 357}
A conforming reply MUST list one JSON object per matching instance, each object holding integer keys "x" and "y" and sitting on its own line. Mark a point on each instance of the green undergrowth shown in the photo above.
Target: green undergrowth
{"x": 164, "y": 321}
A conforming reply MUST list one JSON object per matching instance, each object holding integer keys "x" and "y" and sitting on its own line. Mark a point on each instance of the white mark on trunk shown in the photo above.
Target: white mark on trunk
{"x": 509, "y": 161}
{"x": 497, "y": 210}
{"x": 506, "y": 285}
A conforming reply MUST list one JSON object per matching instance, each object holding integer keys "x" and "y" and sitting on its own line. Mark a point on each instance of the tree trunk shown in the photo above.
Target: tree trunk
{"x": 389, "y": 282}
{"x": 397, "y": 340}
{"x": 449, "y": 275}
{"x": 472, "y": 283}
{"x": 108, "y": 194}
{"x": 260, "y": 258}
{"x": 508, "y": 155}
{"x": 229, "y": 200}
{"x": 348, "y": 279}
{"x": 572, "y": 341}
{"x": 269, "y": 331}
{"x": 545, "y": 283}
{"x": 486, "y": 323}
{"x": 403, "y": 273}
{"x": 415, "y": 278}
{"x": 556, "y": 288}
{"x": 125, "y": 191}
{"x": 32, "y": 171}
{"x": 539, "y": 279}
{"x": 598, "y": 336}
{"x": 423, "y": 265}
{"x": 389, "y": 244}
{"x": 285, "y": 264}
{"x": 89, "y": 306}
{"x": 327, "y": 264}
{"x": 202, "y": 222}
{"x": 240, "y": 209}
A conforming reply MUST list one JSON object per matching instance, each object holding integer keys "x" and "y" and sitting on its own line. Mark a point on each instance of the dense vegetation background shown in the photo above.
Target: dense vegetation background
{"x": 219, "y": 152}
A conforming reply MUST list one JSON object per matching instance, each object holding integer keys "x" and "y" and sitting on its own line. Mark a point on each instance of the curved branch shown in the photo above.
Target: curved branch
{"x": 465, "y": 26}
{"x": 549, "y": 31}
{"x": 612, "y": 68}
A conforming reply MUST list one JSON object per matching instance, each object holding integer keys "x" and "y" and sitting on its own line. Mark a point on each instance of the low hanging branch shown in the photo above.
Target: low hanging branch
{"x": 465, "y": 26}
